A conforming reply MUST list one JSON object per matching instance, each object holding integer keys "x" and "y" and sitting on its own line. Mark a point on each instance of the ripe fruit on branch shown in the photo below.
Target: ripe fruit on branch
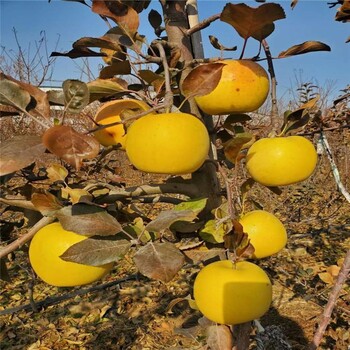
{"x": 243, "y": 87}
{"x": 111, "y": 112}
{"x": 168, "y": 143}
{"x": 281, "y": 161}
{"x": 265, "y": 231}
{"x": 45, "y": 249}
{"x": 230, "y": 293}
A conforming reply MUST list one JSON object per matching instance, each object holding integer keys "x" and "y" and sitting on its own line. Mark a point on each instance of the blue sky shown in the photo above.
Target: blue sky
{"x": 69, "y": 21}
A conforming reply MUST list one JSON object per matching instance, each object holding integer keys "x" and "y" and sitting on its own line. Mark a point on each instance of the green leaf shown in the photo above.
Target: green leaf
{"x": 214, "y": 231}
{"x": 196, "y": 205}
{"x": 76, "y": 95}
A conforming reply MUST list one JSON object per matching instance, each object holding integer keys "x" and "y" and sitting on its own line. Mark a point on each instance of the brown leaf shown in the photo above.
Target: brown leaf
{"x": 105, "y": 42}
{"x": 106, "y": 87}
{"x": 293, "y": 4}
{"x": 40, "y": 105}
{"x": 116, "y": 68}
{"x": 307, "y": 46}
{"x": 202, "y": 80}
{"x": 46, "y": 203}
{"x": 160, "y": 261}
{"x": 19, "y": 152}
{"x": 126, "y": 17}
{"x": 78, "y": 52}
{"x": 88, "y": 220}
{"x": 237, "y": 241}
{"x": 219, "y": 337}
{"x": 252, "y": 22}
{"x": 232, "y": 148}
{"x": 57, "y": 172}
{"x": 69, "y": 145}
{"x": 97, "y": 252}
{"x": 343, "y": 13}
{"x": 217, "y": 45}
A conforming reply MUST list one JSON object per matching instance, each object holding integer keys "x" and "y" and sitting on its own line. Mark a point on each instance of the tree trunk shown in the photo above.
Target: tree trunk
{"x": 176, "y": 24}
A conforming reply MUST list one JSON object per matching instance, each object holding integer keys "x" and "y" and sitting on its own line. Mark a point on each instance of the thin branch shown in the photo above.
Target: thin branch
{"x": 274, "y": 108}
{"x": 204, "y": 24}
{"x": 334, "y": 167}
{"x": 327, "y": 312}
{"x": 56, "y": 300}
{"x": 169, "y": 97}
{"x": 26, "y": 237}
{"x": 19, "y": 203}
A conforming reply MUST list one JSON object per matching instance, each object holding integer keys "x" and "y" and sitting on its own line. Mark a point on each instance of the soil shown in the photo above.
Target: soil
{"x": 129, "y": 311}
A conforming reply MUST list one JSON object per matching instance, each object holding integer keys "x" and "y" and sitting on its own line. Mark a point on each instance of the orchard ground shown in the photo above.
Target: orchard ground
{"x": 141, "y": 314}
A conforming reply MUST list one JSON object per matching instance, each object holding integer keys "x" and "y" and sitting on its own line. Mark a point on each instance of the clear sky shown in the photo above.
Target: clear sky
{"x": 67, "y": 21}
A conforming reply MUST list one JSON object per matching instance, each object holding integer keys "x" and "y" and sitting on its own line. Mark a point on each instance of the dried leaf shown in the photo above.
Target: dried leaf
{"x": 237, "y": 241}
{"x": 235, "y": 118}
{"x": 57, "y": 172}
{"x": 232, "y": 148}
{"x": 138, "y": 229}
{"x": 202, "y": 79}
{"x": 11, "y": 94}
{"x": 4, "y": 273}
{"x": 217, "y": 45}
{"x": 19, "y": 152}
{"x": 97, "y": 252}
{"x": 203, "y": 254}
{"x": 294, "y": 120}
{"x": 106, "y": 87}
{"x": 219, "y": 337}
{"x": 78, "y": 52}
{"x": 103, "y": 42}
{"x": 69, "y": 145}
{"x": 307, "y": 46}
{"x": 76, "y": 95}
{"x": 39, "y": 105}
{"x": 116, "y": 68}
{"x": 88, "y": 220}
{"x": 252, "y": 22}
{"x": 155, "y": 19}
{"x": 76, "y": 195}
{"x": 166, "y": 218}
{"x": 343, "y": 12}
{"x": 293, "y": 4}
{"x": 46, "y": 203}
{"x": 160, "y": 261}
{"x": 126, "y": 17}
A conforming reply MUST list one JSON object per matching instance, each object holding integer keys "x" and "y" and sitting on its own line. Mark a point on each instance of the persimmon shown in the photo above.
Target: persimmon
{"x": 111, "y": 112}
{"x": 243, "y": 87}
{"x": 229, "y": 293}
{"x": 45, "y": 249}
{"x": 266, "y": 232}
{"x": 281, "y": 161}
{"x": 167, "y": 143}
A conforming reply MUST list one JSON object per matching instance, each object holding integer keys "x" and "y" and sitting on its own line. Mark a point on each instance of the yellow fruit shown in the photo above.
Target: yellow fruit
{"x": 265, "y": 231}
{"x": 243, "y": 87}
{"x": 169, "y": 143}
{"x": 230, "y": 293}
{"x": 44, "y": 255}
{"x": 281, "y": 161}
{"x": 110, "y": 112}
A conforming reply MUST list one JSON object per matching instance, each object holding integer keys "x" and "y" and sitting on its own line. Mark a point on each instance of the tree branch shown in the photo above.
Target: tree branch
{"x": 26, "y": 237}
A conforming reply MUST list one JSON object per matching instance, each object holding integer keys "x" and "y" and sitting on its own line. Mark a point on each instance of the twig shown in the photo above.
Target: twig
{"x": 344, "y": 271}
{"x": 274, "y": 108}
{"x": 168, "y": 98}
{"x": 204, "y": 24}
{"x": 334, "y": 167}
{"x": 26, "y": 237}
{"x": 56, "y": 300}
{"x": 20, "y": 203}
{"x": 327, "y": 312}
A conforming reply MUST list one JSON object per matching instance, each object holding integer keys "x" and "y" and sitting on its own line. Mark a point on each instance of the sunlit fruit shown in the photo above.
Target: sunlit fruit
{"x": 243, "y": 87}
{"x": 45, "y": 249}
{"x": 168, "y": 143}
{"x": 281, "y": 161}
{"x": 265, "y": 231}
{"x": 230, "y": 293}
{"x": 114, "y": 111}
